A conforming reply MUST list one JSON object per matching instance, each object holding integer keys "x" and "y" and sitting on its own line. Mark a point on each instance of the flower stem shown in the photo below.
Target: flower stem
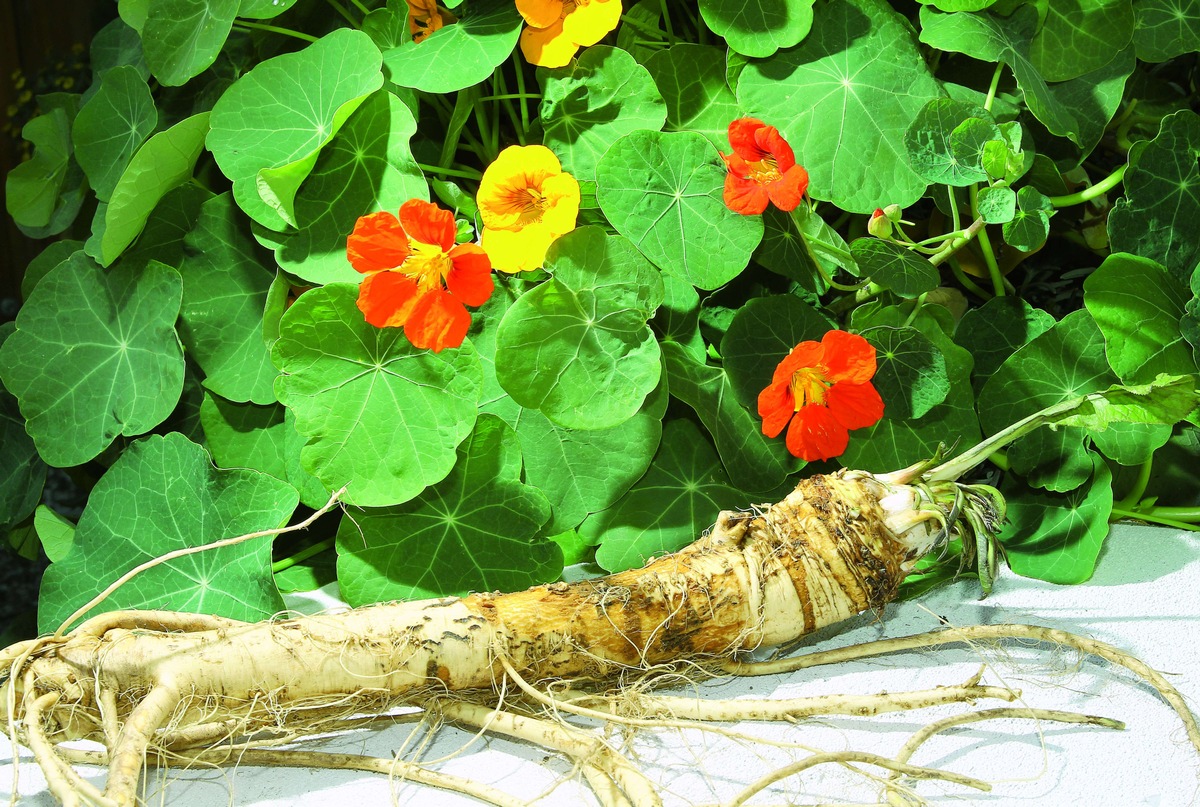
{"x": 275, "y": 29}
{"x": 340, "y": 9}
{"x": 302, "y": 555}
{"x": 985, "y": 246}
{"x": 1089, "y": 193}
{"x": 666, "y": 15}
{"x": 991, "y": 93}
{"x": 519, "y": 69}
{"x": 958, "y": 243}
{"x": 359, "y": 5}
{"x": 1153, "y": 516}
{"x": 966, "y": 282}
{"x": 465, "y": 173}
{"x": 1139, "y": 485}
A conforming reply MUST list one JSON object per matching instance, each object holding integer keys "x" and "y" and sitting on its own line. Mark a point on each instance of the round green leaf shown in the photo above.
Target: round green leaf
{"x": 39, "y": 193}
{"x": 994, "y": 331}
{"x": 786, "y": 250}
{"x": 457, "y": 56}
{"x": 1158, "y": 215}
{"x": 367, "y": 167}
{"x": 758, "y": 27}
{"x": 111, "y": 127}
{"x": 114, "y": 45}
{"x": 895, "y": 268}
{"x": 1030, "y": 223}
{"x": 843, "y": 98}
{"x": 578, "y": 347}
{"x": 56, "y": 534}
{"x": 280, "y": 114}
{"x": 691, "y": 79}
{"x": 664, "y": 192}
{"x": 1131, "y": 443}
{"x": 669, "y": 507}
{"x": 183, "y": 37}
{"x": 1137, "y": 306}
{"x": 55, "y": 253}
{"x": 164, "y": 163}
{"x": 164, "y": 494}
{"x": 1079, "y": 36}
{"x": 910, "y": 371}
{"x": 446, "y": 542}
{"x": 1166, "y": 28}
{"x": 760, "y": 336}
{"x": 997, "y": 205}
{"x": 594, "y": 100}
{"x": 94, "y": 356}
{"x": 927, "y": 141}
{"x": 1057, "y": 537}
{"x": 22, "y": 472}
{"x": 381, "y": 416}
{"x": 263, "y": 9}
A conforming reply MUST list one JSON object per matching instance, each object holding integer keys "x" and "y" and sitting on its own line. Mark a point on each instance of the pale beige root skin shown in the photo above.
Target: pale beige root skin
{"x": 138, "y": 681}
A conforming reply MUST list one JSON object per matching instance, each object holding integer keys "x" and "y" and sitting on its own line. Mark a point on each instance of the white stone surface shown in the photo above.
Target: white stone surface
{"x": 1144, "y": 598}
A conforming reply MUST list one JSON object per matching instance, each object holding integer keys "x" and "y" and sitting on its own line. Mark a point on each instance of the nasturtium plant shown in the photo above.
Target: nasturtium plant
{"x": 574, "y": 352}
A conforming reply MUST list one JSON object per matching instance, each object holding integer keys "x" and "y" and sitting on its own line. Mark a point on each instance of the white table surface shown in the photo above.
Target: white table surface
{"x": 1144, "y": 598}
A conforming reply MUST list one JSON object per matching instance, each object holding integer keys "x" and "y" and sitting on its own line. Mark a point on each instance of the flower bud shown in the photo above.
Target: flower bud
{"x": 893, "y": 213}
{"x": 880, "y": 225}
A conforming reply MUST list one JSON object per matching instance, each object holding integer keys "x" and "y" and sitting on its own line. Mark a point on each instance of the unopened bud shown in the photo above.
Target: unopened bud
{"x": 879, "y": 225}
{"x": 893, "y": 213}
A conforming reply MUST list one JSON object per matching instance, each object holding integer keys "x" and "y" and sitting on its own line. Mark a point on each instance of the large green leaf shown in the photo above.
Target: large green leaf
{"x": 594, "y": 100}
{"x": 162, "y": 239}
{"x": 669, "y": 507}
{"x": 459, "y": 55}
{"x": 927, "y": 141}
{"x": 22, "y": 472}
{"x": 263, "y": 438}
{"x": 995, "y": 330}
{"x": 758, "y": 27}
{"x": 1166, "y": 28}
{"x": 1157, "y": 216}
{"x": 1078, "y": 109}
{"x": 44, "y": 193}
{"x": 752, "y": 462}
{"x": 224, "y": 291}
{"x": 664, "y": 192}
{"x": 366, "y": 168}
{"x": 1079, "y": 36}
{"x": 114, "y": 45}
{"x": 1063, "y": 363}
{"x": 1137, "y": 306}
{"x": 476, "y": 530}
{"x": 162, "y": 164}
{"x": 843, "y": 98}
{"x": 381, "y": 416}
{"x": 1056, "y": 537}
{"x": 111, "y": 127}
{"x": 164, "y": 494}
{"x": 894, "y": 267}
{"x": 277, "y": 117}
{"x": 760, "y": 336}
{"x": 55, "y": 253}
{"x": 183, "y": 37}
{"x": 910, "y": 371}
{"x": 578, "y": 347}
{"x": 94, "y": 356}
{"x": 691, "y": 79}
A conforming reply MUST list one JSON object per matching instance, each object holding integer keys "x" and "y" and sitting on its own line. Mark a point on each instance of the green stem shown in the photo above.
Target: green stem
{"x": 1152, "y": 516}
{"x": 958, "y": 243}
{"x": 985, "y": 246}
{"x": 519, "y": 68}
{"x": 450, "y": 172}
{"x": 1139, "y": 485}
{"x": 656, "y": 33}
{"x": 1177, "y": 513}
{"x": 991, "y": 93}
{"x": 509, "y": 96}
{"x": 505, "y": 99}
{"x": 1089, "y": 193}
{"x": 917, "y": 306}
{"x": 966, "y": 282}
{"x": 275, "y": 29}
{"x": 999, "y": 459}
{"x": 359, "y": 5}
{"x": 340, "y": 9}
{"x": 302, "y": 555}
{"x": 666, "y": 15}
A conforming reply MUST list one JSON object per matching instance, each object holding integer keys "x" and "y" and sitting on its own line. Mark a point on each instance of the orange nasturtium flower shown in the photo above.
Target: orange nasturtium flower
{"x": 425, "y": 17}
{"x": 823, "y": 389}
{"x": 762, "y": 167}
{"x": 558, "y": 28}
{"x": 416, "y": 276}
{"x": 525, "y": 201}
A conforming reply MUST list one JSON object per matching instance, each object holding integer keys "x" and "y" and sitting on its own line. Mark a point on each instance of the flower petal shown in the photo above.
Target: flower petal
{"x": 776, "y": 407}
{"x": 547, "y": 47}
{"x": 770, "y": 141}
{"x": 470, "y": 279}
{"x": 856, "y": 406}
{"x": 848, "y": 358}
{"x": 428, "y": 223}
{"x": 518, "y": 251}
{"x": 744, "y": 196}
{"x": 503, "y": 191}
{"x": 787, "y": 191}
{"x": 387, "y": 298}
{"x": 438, "y": 321}
{"x": 562, "y": 196}
{"x": 815, "y": 434}
{"x": 742, "y": 137}
{"x": 590, "y": 23}
{"x": 540, "y": 13}
{"x": 805, "y": 354}
{"x": 377, "y": 243}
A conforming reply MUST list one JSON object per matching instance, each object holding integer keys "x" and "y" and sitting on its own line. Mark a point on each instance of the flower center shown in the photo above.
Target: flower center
{"x": 427, "y": 264}
{"x": 809, "y": 386}
{"x": 765, "y": 171}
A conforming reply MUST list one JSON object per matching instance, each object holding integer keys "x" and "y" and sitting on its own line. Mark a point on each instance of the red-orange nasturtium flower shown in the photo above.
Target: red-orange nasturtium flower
{"x": 558, "y": 28}
{"x": 525, "y": 201}
{"x": 416, "y": 276}
{"x": 822, "y": 389}
{"x": 425, "y": 17}
{"x": 762, "y": 168}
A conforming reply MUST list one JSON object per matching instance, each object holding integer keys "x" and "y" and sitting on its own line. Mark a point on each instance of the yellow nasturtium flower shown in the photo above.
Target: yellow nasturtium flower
{"x": 558, "y": 28}
{"x": 525, "y": 201}
{"x": 425, "y": 17}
